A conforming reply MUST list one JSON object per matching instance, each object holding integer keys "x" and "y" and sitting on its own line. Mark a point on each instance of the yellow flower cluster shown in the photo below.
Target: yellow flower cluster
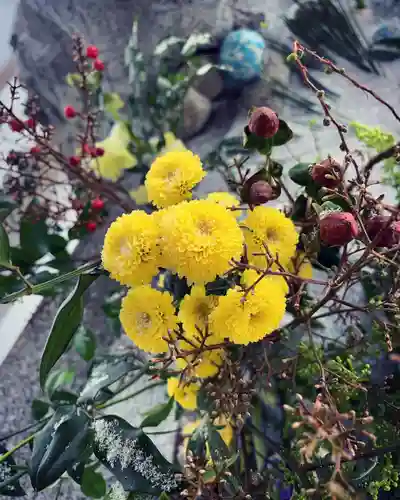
{"x": 199, "y": 240}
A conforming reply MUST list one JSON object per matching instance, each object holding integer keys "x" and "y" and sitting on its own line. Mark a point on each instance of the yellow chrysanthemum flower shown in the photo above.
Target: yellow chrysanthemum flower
{"x": 265, "y": 305}
{"x": 131, "y": 249}
{"x": 199, "y": 239}
{"x": 250, "y": 276}
{"x": 184, "y": 394}
{"x": 172, "y": 177}
{"x": 206, "y": 364}
{"x": 116, "y": 157}
{"x": 229, "y": 319}
{"x": 270, "y": 227}
{"x": 248, "y": 317}
{"x": 301, "y": 266}
{"x": 227, "y": 200}
{"x": 148, "y": 316}
{"x": 194, "y": 311}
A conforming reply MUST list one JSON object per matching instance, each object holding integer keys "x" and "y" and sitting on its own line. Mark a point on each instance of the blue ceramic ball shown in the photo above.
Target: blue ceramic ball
{"x": 387, "y": 31}
{"x": 243, "y": 52}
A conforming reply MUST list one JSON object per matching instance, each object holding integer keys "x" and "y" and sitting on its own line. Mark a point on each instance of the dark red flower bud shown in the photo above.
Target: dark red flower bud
{"x": 260, "y": 193}
{"x": 327, "y": 173}
{"x": 337, "y": 229}
{"x": 387, "y": 234}
{"x": 99, "y": 151}
{"x": 91, "y": 226}
{"x": 74, "y": 161}
{"x": 264, "y": 122}
{"x": 16, "y": 125}
{"x": 69, "y": 112}
{"x": 97, "y": 204}
{"x": 35, "y": 150}
{"x": 92, "y": 52}
{"x": 30, "y": 122}
{"x": 98, "y": 65}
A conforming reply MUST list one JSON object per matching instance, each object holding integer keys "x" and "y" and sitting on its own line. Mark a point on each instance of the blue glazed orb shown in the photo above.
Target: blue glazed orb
{"x": 243, "y": 52}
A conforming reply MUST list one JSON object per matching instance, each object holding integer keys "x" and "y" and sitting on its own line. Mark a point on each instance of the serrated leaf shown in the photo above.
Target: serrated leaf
{"x": 65, "y": 324}
{"x": 93, "y": 484}
{"x": 131, "y": 456}
{"x": 85, "y": 343}
{"x": 58, "y": 445}
{"x": 158, "y": 414}
{"x": 13, "y": 488}
{"x": 4, "y": 246}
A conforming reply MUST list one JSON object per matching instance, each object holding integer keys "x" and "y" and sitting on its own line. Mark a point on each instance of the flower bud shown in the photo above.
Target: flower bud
{"x": 92, "y": 52}
{"x": 337, "y": 229}
{"x": 327, "y": 173}
{"x": 264, "y": 122}
{"x": 260, "y": 193}
{"x": 378, "y": 227}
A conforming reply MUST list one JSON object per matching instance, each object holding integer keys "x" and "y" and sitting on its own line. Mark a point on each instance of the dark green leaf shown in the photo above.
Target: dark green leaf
{"x": 328, "y": 206}
{"x": 76, "y": 472}
{"x": 7, "y": 205}
{"x": 300, "y": 174}
{"x": 93, "y": 484}
{"x": 40, "y": 408}
{"x": 255, "y": 143}
{"x": 63, "y": 397}
{"x": 65, "y": 324}
{"x": 158, "y": 414}
{"x": 58, "y": 446}
{"x": 58, "y": 378}
{"x": 33, "y": 238}
{"x": 85, "y": 343}
{"x": 19, "y": 259}
{"x": 56, "y": 243}
{"x": 218, "y": 449}
{"x": 13, "y": 488}
{"x": 4, "y": 246}
{"x": 299, "y": 208}
{"x": 284, "y": 134}
{"x": 329, "y": 257}
{"x": 131, "y": 456}
{"x": 104, "y": 372}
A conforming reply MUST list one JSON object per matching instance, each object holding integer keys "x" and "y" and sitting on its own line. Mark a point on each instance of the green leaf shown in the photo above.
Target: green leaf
{"x": 65, "y": 324}
{"x": 7, "y": 205}
{"x": 76, "y": 472}
{"x": 63, "y": 398}
{"x": 131, "y": 456}
{"x": 194, "y": 42}
{"x": 93, "y": 484}
{"x": 58, "y": 378}
{"x": 4, "y": 246}
{"x": 73, "y": 79}
{"x": 284, "y": 134}
{"x": 106, "y": 371}
{"x": 39, "y": 408}
{"x": 56, "y": 243}
{"x": 85, "y": 343}
{"x": 33, "y": 238}
{"x": 58, "y": 446}
{"x": 112, "y": 104}
{"x": 255, "y": 143}
{"x": 12, "y": 488}
{"x": 158, "y": 414}
{"x": 300, "y": 174}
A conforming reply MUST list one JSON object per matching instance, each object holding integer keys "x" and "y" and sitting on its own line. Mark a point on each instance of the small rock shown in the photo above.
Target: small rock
{"x": 196, "y": 112}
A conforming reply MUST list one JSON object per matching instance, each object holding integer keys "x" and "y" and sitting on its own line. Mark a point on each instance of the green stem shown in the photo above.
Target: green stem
{"x": 17, "y": 447}
{"x": 125, "y": 398}
{"x": 12, "y": 479}
{"x": 36, "y": 289}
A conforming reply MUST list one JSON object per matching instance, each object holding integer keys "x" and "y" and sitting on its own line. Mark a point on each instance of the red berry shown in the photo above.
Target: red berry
{"x": 69, "y": 112}
{"x": 98, "y": 65}
{"x": 97, "y": 204}
{"x": 264, "y": 122}
{"x": 337, "y": 229}
{"x": 91, "y": 226}
{"x": 87, "y": 149}
{"x": 260, "y": 193}
{"x": 35, "y": 150}
{"x": 99, "y": 151}
{"x": 30, "y": 122}
{"x": 92, "y": 51}
{"x": 74, "y": 161}
{"x": 327, "y": 173}
{"x": 16, "y": 125}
